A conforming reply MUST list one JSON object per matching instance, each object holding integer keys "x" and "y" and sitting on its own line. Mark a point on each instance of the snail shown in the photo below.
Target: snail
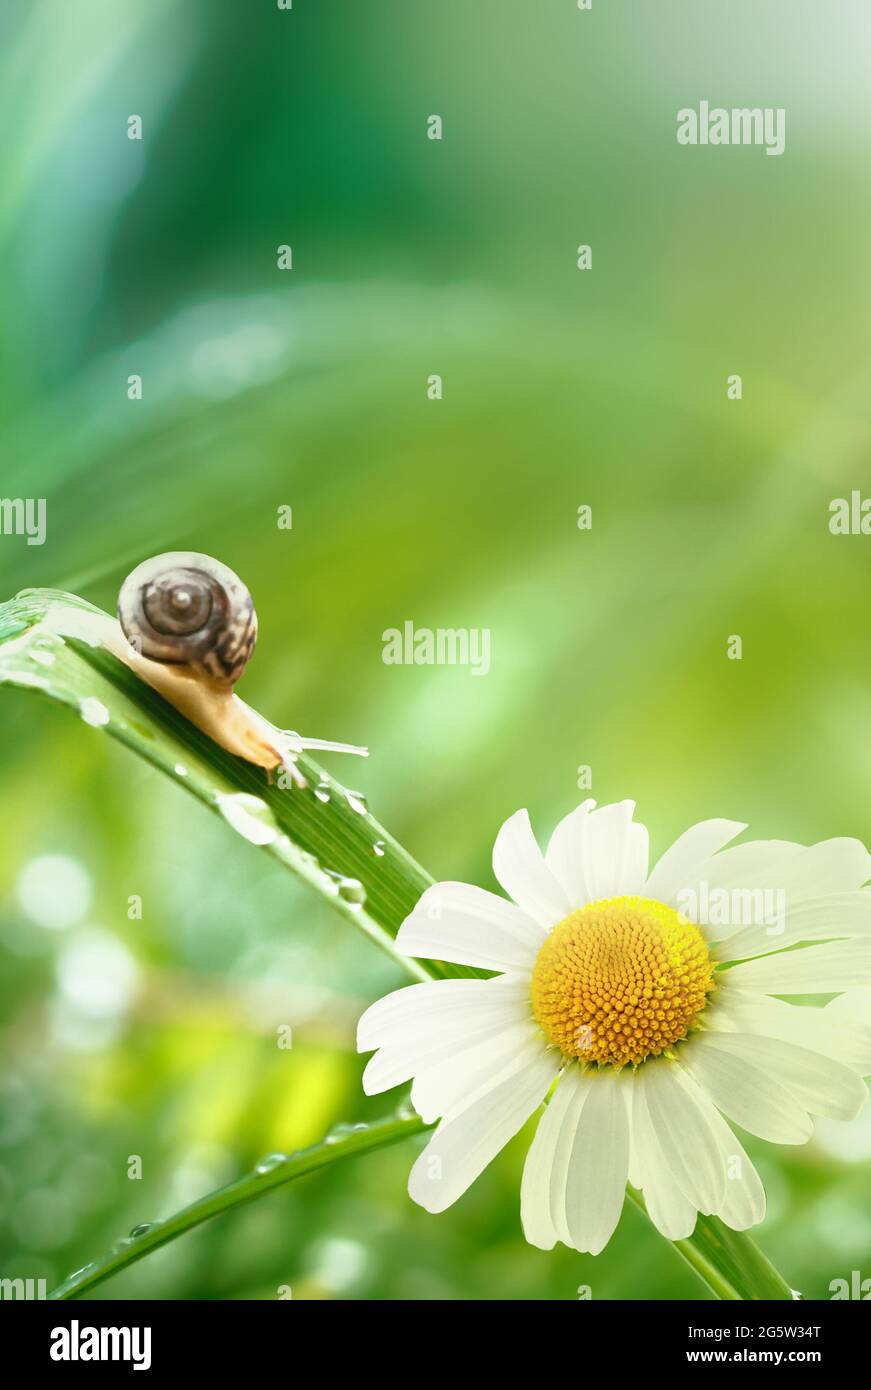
{"x": 187, "y": 627}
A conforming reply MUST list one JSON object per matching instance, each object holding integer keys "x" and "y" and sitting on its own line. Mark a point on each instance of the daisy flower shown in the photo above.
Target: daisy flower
{"x": 644, "y": 1006}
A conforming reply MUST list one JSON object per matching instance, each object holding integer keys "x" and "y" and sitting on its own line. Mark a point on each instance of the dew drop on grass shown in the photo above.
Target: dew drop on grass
{"x": 342, "y": 1131}
{"x": 249, "y": 816}
{"x": 357, "y": 802}
{"x": 270, "y": 1163}
{"x": 94, "y": 712}
{"x": 350, "y": 890}
{"x": 143, "y": 1229}
{"x": 322, "y": 791}
{"x": 180, "y": 770}
{"x": 42, "y": 658}
{"x": 378, "y": 848}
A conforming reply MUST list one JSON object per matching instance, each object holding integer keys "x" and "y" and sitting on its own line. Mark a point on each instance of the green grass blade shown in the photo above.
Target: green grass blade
{"x": 335, "y": 1147}
{"x": 325, "y": 837}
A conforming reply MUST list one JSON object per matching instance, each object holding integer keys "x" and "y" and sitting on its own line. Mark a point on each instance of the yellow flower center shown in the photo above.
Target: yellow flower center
{"x": 620, "y": 980}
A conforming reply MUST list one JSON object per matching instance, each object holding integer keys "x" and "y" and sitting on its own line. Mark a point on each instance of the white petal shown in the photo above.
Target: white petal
{"x": 819, "y": 969}
{"x": 465, "y": 924}
{"x": 846, "y": 1039}
{"x": 615, "y": 852}
{"x": 831, "y": 866}
{"x": 675, "y": 869}
{"x": 812, "y": 919}
{"x": 757, "y": 866}
{"x": 599, "y": 854}
{"x": 454, "y": 1044}
{"x": 404, "y": 1013}
{"x": 778, "y": 867}
{"x": 851, "y": 1007}
{"x": 680, "y": 1115}
{"x": 598, "y": 1166}
{"x": 442, "y": 1086}
{"x": 565, "y": 855}
{"x": 851, "y": 1012}
{"x": 635, "y": 1158}
{"x": 519, "y": 866}
{"x": 469, "y": 1138}
{"x": 576, "y": 1083}
{"x": 538, "y": 1170}
{"x": 744, "y": 1203}
{"x": 746, "y": 1093}
{"x": 818, "y": 1084}
{"x": 636, "y": 860}
{"x": 673, "y": 1214}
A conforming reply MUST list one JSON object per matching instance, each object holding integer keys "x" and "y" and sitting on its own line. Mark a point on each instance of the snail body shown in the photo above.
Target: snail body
{"x": 187, "y": 627}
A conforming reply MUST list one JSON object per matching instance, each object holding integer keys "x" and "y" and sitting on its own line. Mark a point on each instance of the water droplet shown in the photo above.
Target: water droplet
{"x": 180, "y": 770}
{"x": 83, "y": 1269}
{"x": 143, "y": 1229}
{"x": 342, "y": 1131}
{"x": 378, "y": 848}
{"x": 43, "y": 658}
{"x": 322, "y": 791}
{"x": 249, "y": 816}
{"x": 357, "y": 802}
{"x": 94, "y": 712}
{"x": 270, "y": 1163}
{"x": 353, "y": 892}
{"x": 350, "y": 890}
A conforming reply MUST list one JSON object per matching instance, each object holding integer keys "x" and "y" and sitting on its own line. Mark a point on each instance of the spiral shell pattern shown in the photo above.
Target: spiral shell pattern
{"x": 187, "y": 609}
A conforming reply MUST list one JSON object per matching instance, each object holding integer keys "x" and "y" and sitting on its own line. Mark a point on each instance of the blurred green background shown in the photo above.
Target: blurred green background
{"x": 307, "y": 388}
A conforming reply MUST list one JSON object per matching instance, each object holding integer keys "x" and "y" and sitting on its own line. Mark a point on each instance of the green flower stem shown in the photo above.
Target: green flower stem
{"x": 236, "y": 1194}
{"x": 729, "y": 1262}
{"x": 323, "y": 834}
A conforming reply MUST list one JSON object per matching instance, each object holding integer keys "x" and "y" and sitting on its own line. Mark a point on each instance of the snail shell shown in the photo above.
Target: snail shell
{"x": 186, "y": 609}
{"x": 186, "y": 626}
